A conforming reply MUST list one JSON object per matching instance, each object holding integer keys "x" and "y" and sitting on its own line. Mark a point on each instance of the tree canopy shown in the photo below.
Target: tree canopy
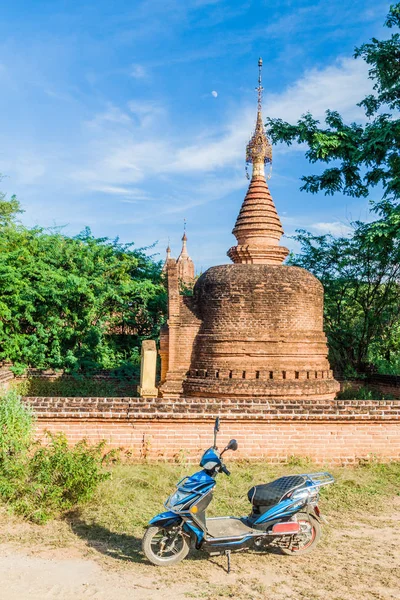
{"x": 360, "y": 272}
{"x": 364, "y": 155}
{"x": 76, "y": 303}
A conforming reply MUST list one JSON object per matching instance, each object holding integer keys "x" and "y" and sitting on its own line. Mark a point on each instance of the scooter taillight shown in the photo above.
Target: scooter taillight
{"x": 290, "y": 527}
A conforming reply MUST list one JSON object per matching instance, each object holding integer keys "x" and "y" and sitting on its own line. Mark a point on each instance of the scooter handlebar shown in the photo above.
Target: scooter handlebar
{"x": 225, "y": 470}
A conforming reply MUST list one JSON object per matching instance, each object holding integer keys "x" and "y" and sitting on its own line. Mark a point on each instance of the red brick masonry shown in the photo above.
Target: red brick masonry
{"x": 336, "y": 431}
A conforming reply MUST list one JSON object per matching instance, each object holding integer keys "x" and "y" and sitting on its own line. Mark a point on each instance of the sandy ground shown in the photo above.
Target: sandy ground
{"x": 356, "y": 560}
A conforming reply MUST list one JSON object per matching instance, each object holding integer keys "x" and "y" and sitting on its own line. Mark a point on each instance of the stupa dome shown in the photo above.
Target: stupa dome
{"x": 260, "y": 334}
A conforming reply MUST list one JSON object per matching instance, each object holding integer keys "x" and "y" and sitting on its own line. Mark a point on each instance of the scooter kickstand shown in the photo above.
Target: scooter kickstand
{"x": 228, "y": 556}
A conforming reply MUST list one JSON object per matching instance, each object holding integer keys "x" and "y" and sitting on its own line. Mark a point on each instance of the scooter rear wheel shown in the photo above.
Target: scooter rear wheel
{"x": 165, "y": 547}
{"x": 305, "y": 541}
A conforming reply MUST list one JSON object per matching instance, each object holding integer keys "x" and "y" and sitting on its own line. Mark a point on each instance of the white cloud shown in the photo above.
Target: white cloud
{"x": 130, "y": 195}
{"x": 206, "y": 191}
{"x": 145, "y": 113}
{"x": 337, "y": 87}
{"x": 138, "y": 72}
{"x": 209, "y": 155}
{"x": 113, "y": 114}
{"x": 125, "y": 146}
{"x": 25, "y": 168}
{"x": 336, "y": 228}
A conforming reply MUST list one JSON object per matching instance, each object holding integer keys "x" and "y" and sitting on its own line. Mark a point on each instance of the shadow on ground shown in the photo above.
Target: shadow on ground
{"x": 120, "y": 546}
{"x": 125, "y": 547}
{"x": 116, "y": 545}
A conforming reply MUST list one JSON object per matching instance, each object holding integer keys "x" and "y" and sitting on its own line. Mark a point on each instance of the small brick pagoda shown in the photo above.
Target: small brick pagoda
{"x": 253, "y": 328}
{"x": 184, "y": 264}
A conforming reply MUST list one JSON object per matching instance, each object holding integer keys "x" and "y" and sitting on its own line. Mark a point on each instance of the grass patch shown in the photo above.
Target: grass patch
{"x": 115, "y": 519}
{"x": 74, "y": 386}
{"x": 112, "y": 523}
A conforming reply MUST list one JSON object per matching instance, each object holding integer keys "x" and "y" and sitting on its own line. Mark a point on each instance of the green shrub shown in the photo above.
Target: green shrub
{"x": 362, "y": 393}
{"x": 42, "y": 481}
{"x": 16, "y": 426}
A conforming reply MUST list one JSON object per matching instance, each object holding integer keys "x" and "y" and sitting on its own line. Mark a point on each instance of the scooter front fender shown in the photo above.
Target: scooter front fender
{"x": 165, "y": 519}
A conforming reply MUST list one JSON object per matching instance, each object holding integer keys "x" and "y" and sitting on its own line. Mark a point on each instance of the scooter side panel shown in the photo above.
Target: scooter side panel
{"x": 191, "y": 528}
{"x": 285, "y": 508}
{"x": 165, "y": 519}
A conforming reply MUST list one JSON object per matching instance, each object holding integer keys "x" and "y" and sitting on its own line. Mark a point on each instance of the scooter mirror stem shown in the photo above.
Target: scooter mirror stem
{"x": 216, "y": 429}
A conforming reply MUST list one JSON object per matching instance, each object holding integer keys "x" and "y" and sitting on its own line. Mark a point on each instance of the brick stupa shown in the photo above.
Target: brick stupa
{"x": 253, "y": 328}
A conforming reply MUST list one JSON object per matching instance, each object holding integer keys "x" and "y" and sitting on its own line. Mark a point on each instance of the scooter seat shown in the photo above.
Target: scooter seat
{"x": 268, "y": 494}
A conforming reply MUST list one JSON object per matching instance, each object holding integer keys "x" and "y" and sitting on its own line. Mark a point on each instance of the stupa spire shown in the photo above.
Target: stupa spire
{"x": 259, "y": 149}
{"x": 167, "y": 258}
{"x": 184, "y": 262}
{"x": 184, "y": 252}
{"x": 258, "y": 228}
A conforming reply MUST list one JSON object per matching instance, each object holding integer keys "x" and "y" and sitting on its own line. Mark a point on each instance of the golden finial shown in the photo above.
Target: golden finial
{"x": 259, "y": 149}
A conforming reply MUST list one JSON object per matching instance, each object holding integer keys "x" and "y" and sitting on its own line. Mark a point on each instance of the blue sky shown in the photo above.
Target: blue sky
{"x": 108, "y": 117}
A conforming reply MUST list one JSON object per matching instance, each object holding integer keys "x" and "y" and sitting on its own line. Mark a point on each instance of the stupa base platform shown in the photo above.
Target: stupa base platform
{"x": 307, "y": 385}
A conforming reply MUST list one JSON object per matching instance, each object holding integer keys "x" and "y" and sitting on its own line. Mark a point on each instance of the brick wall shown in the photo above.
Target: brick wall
{"x": 334, "y": 431}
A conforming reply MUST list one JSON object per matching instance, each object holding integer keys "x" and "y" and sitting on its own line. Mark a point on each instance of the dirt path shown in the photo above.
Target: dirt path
{"x": 358, "y": 560}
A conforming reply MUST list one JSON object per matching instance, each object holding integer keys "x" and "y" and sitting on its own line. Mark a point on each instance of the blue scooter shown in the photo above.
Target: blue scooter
{"x": 284, "y": 514}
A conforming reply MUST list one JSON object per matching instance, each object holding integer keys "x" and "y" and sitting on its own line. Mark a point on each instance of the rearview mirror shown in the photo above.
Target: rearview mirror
{"x": 233, "y": 445}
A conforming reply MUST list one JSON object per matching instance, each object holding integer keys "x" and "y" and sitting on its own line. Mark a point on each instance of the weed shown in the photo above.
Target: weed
{"x": 16, "y": 426}
{"x": 299, "y": 461}
{"x": 40, "y": 481}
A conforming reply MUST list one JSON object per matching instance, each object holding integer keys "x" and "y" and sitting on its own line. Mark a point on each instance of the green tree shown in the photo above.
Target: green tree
{"x": 9, "y": 209}
{"x": 365, "y": 155}
{"x": 75, "y": 303}
{"x": 360, "y": 273}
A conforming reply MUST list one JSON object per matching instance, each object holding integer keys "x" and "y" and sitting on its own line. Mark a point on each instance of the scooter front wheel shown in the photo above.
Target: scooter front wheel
{"x": 304, "y": 541}
{"x": 165, "y": 546}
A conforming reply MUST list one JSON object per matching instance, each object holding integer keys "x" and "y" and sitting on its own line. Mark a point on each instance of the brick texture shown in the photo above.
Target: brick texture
{"x": 332, "y": 431}
{"x": 248, "y": 330}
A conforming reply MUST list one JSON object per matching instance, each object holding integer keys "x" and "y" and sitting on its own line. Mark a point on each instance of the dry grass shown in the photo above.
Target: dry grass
{"x": 357, "y": 558}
